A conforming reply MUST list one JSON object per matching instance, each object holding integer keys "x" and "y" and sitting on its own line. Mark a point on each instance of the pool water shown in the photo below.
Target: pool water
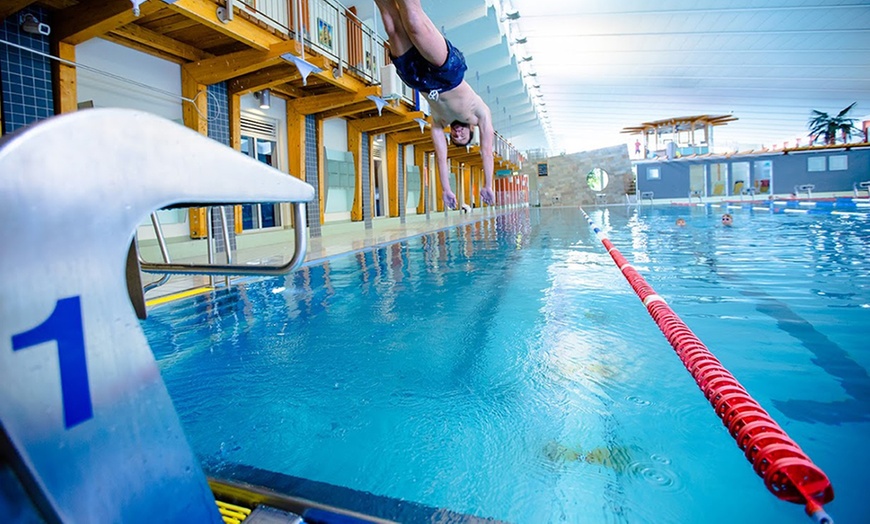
{"x": 506, "y": 370}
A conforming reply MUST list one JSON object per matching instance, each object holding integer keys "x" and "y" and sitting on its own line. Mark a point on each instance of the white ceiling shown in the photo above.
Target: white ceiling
{"x": 603, "y": 65}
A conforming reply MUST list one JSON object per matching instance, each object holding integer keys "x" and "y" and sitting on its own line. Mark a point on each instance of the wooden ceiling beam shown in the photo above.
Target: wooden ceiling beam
{"x": 377, "y": 123}
{"x": 205, "y": 12}
{"x": 321, "y": 103}
{"x": 398, "y": 128}
{"x": 233, "y": 65}
{"x": 95, "y": 18}
{"x": 412, "y": 136}
{"x": 287, "y": 91}
{"x": 263, "y": 79}
{"x": 351, "y": 109}
{"x": 161, "y": 43}
{"x": 10, "y": 7}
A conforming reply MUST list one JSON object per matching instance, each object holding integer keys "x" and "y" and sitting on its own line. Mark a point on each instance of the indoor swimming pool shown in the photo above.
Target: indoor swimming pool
{"x": 505, "y": 370}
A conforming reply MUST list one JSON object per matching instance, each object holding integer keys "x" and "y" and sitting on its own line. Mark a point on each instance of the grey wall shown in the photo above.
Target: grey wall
{"x": 789, "y": 170}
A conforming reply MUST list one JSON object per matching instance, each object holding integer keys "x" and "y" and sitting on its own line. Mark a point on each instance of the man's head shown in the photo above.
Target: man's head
{"x": 460, "y": 133}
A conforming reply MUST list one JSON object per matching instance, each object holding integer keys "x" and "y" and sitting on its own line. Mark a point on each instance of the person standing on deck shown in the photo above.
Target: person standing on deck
{"x": 428, "y": 62}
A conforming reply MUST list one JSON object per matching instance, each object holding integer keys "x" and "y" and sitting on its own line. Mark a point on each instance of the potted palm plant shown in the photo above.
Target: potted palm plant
{"x": 824, "y": 126}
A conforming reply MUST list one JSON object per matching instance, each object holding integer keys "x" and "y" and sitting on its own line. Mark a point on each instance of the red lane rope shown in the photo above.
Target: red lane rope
{"x": 786, "y": 470}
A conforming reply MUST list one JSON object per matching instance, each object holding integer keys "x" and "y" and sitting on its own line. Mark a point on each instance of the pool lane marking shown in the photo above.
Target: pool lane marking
{"x": 177, "y": 296}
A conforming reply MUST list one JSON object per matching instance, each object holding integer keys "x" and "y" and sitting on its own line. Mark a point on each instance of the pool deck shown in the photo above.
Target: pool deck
{"x": 336, "y": 238}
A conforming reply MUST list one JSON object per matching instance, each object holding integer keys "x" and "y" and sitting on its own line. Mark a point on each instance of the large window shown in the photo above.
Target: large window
{"x": 259, "y": 140}
{"x": 719, "y": 179}
{"x": 762, "y": 176}
{"x": 739, "y": 177}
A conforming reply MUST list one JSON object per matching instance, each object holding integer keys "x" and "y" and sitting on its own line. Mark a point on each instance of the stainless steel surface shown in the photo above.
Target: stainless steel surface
{"x": 164, "y": 251}
{"x": 81, "y": 397}
{"x": 301, "y": 245}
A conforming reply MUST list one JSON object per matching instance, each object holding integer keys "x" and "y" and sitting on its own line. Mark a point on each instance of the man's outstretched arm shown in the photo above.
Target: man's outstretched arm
{"x": 484, "y": 125}
{"x": 440, "y": 143}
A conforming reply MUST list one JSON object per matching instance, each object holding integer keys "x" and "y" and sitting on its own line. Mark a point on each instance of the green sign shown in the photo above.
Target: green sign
{"x": 503, "y": 172}
{"x": 542, "y": 169}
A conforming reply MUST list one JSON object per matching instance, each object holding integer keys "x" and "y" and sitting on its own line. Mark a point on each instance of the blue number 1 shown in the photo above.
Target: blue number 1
{"x": 64, "y": 325}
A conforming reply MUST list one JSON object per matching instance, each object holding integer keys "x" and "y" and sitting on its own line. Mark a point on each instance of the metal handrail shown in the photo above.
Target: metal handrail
{"x": 164, "y": 251}
{"x": 301, "y": 245}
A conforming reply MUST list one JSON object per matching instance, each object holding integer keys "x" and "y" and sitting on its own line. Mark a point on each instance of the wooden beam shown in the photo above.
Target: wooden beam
{"x": 310, "y": 105}
{"x": 391, "y": 155}
{"x": 288, "y": 91}
{"x": 354, "y": 146}
{"x": 263, "y": 79}
{"x": 471, "y": 157}
{"x": 95, "y": 18}
{"x": 359, "y": 107}
{"x": 10, "y": 7}
{"x": 225, "y": 67}
{"x": 420, "y": 161}
{"x": 235, "y": 110}
{"x": 373, "y": 124}
{"x": 126, "y": 42}
{"x": 161, "y": 43}
{"x": 296, "y": 143}
{"x": 205, "y": 12}
{"x": 321, "y": 171}
{"x": 194, "y": 112}
{"x": 413, "y": 136}
{"x": 65, "y": 86}
{"x": 345, "y": 82}
{"x": 401, "y": 127}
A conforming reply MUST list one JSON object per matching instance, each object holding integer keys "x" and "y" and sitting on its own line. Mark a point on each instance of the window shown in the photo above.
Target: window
{"x": 838, "y": 163}
{"x": 653, "y": 173}
{"x": 739, "y": 177}
{"x": 260, "y": 140}
{"x": 597, "y": 179}
{"x": 815, "y": 163}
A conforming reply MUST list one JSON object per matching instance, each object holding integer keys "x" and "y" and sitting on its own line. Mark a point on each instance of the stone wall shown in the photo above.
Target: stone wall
{"x": 566, "y": 184}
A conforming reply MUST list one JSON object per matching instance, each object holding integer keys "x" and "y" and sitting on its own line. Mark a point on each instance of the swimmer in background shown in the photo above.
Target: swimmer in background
{"x": 681, "y": 222}
{"x": 727, "y": 220}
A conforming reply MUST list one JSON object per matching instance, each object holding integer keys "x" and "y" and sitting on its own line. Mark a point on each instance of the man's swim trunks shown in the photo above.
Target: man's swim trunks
{"x": 429, "y": 79}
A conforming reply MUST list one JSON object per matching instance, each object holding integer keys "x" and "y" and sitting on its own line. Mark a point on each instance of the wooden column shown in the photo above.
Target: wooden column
{"x": 190, "y": 112}
{"x": 235, "y": 109}
{"x": 467, "y": 194}
{"x": 391, "y": 160}
{"x": 195, "y": 113}
{"x": 420, "y": 162}
{"x": 321, "y": 171}
{"x": 65, "y": 90}
{"x": 439, "y": 189}
{"x": 354, "y": 145}
{"x": 296, "y": 142}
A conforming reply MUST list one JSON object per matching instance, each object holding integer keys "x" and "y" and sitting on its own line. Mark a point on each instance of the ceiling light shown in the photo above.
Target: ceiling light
{"x": 513, "y": 15}
{"x": 526, "y": 59}
{"x": 522, "y": 40}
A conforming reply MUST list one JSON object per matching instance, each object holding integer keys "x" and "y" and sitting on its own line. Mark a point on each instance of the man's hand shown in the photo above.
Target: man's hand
{"x": 487, "y": 195}
{"x": 449, "y": 199}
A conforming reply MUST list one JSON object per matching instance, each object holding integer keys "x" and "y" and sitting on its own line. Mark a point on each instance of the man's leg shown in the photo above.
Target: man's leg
{"x": 399, "y": 41}
{"x": 422, "y": 32}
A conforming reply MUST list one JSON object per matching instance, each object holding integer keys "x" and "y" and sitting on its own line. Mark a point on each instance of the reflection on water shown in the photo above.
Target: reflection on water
{"x": 504, "y": 369}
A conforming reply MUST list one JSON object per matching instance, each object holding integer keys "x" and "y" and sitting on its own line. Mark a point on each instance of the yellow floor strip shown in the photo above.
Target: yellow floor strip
{"x": 231, "y": 513}
{"x": 176, "y": 296}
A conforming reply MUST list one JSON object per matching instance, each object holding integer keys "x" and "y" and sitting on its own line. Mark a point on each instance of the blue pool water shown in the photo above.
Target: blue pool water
{"x": 506, "y": 370}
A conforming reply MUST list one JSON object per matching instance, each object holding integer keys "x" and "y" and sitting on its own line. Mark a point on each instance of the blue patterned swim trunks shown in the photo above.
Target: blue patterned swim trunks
{"x": 429, "y": 79}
